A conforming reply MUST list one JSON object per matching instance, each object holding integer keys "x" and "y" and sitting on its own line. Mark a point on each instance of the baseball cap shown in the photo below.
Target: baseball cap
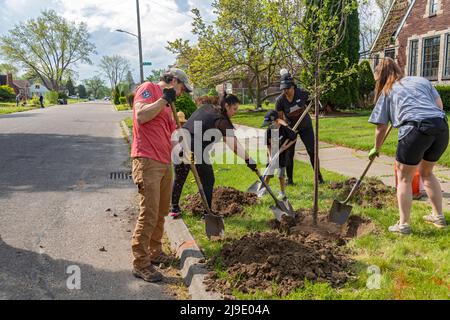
{"x": 182, "y": 76}
{"x": 286, "y": 81}
{"x": 270, "y": 117}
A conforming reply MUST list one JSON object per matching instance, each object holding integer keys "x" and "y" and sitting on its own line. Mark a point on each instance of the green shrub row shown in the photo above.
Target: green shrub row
{"x": 444, "y": 92}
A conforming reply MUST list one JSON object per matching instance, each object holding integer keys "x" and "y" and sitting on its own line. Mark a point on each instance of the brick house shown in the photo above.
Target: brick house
{"x": 417, "y": 34}
{"x": 19, "y": 86}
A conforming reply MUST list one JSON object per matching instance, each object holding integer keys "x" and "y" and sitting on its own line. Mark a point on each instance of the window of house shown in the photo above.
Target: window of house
{"x": 447, "y": 57}
{"x": 434, "y": 7}
{"x": 431, "y": 47}
{"x": 376, "y": 60}
{"x": 413, "y": 57}
{"x": 389, "y": 53}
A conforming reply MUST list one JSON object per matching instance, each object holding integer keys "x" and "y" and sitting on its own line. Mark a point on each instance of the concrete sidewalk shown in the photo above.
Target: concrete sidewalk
{"x": 351, "y": 163}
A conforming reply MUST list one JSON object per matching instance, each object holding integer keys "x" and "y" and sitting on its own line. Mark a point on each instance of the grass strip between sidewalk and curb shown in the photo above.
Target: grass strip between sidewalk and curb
{"x": 412, "y": 267}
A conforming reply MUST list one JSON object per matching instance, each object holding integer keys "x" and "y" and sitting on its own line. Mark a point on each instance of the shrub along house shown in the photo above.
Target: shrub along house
{"x": 417, "y": 35}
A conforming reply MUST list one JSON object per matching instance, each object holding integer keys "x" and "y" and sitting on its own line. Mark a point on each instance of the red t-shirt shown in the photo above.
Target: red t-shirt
{"x": 153, "y": 139}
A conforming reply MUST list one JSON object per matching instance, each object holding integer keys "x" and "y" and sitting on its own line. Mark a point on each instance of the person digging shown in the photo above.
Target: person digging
{"x": 214, "y": 121}
{"x": 290, "y": 106}
{"x": 414, "y": 106}
{"x": 276, "y": 128}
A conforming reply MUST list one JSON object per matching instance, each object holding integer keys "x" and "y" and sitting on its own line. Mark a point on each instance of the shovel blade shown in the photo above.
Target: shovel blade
{"x": 278, "y": 213}
{"x": 254, "y": 188}
{"x": 339, "y": 212}
{"x": 214, "y": 225}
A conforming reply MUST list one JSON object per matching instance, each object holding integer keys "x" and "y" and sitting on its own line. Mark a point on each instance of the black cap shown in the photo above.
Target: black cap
{"x": 286, "y": 81}
{"x": 270, "y": 117}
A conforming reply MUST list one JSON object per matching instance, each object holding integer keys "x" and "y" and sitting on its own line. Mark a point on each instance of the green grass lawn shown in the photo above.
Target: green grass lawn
{"x": 14, "y": 109}
{"x": 123, "y": 107}
{"x": 414, "y": 267}
{"x": 353, "y": 132}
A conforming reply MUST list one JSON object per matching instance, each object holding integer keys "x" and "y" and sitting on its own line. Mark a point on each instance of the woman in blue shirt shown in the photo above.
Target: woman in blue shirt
{"x": 414, "y": 106}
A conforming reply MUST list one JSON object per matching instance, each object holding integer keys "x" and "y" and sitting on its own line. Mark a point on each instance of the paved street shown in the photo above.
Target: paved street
{"x": 57, "y": 206}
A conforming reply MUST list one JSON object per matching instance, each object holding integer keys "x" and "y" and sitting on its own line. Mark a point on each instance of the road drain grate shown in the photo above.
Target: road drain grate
{"x": 120, "y": 176}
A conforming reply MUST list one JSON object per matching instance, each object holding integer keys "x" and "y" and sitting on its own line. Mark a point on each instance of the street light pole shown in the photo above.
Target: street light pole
{"x": 141, "y": 62}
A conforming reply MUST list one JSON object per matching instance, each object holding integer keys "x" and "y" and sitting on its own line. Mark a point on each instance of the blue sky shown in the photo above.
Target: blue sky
{"x": 161, "y": 21}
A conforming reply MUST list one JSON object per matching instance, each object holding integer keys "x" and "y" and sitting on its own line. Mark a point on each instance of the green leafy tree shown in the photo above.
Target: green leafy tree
{"x": 82, "y": 92}
{"x": 366, "y": 81}
{"x": 48, "y": 47}
{"x": 155, "y": 75}
{"x": 95, "y": 86}
{"x": 240, "y": 45}
{"x": 70, "y": 87}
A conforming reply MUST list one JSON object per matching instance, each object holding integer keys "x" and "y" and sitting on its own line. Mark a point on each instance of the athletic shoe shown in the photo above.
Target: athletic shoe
{"x": 437, "y": 221}
{"x": 149, "y": 274}
{"x": 403, "y": 229}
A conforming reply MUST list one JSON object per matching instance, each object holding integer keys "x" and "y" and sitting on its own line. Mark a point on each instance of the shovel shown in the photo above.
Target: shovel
{"x": 340, "y": 211}
{"x": 281, "y": 208}
{"x": 214, "y": 223}
{"x": 254, "y": 188}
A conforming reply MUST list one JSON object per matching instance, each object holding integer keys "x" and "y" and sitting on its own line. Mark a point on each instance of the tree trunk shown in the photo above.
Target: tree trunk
{"x": 316, "y": 141}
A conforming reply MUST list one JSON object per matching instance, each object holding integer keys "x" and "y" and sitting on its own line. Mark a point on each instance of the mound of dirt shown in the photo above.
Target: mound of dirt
{"x": 355, "y": 227}
{"x": 226, "y": 202}
{"x": 257, "y": 261}
{"x": 372, "y": 192}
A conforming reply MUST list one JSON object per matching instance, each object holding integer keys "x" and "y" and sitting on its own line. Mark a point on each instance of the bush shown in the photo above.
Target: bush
{"x": 366, "y": 82}
{"x": 444, "y": 92}
{"x": 186, "y": 104}
{"x": 52, "y": 97}
{"x": 123, "y": 100}
{"x": 207, "y": 100}
{"x": 130, "y": 99}
{"x": 7, "y": 93}
{"x": 63, "y": 95}
{"x": 34, "y": 102}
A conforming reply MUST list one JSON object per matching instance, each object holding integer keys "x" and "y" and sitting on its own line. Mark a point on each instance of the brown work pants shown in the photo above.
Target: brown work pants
{"x": 154, "y": 181}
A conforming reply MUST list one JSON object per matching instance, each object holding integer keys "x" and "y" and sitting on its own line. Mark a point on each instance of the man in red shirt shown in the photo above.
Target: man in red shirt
{"x": 153, "y": 126}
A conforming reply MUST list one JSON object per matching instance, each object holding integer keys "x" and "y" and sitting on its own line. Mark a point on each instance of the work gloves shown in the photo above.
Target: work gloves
{"x": 251, "y": 164}
{"x": 374, "y": 153}
{"x": 169, "y": 95}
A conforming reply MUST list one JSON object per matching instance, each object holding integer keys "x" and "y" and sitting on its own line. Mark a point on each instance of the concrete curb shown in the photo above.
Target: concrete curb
{"x": 192, "y": 261}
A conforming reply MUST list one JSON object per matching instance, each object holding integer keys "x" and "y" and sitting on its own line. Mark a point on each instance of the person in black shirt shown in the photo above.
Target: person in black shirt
{"x": 210, "y": 117}
{"x": 276, "y": 135}
{"x": 290, "y": 105}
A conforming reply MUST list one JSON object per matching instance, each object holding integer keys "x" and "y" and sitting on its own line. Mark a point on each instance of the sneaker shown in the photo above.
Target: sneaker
{"x": 149, "y": 274}
{"x": 403, "y": 229}
{"x": 437, "y": 221}
{"x": 175, "y": 212}
{"x": 261, "y": 192}
{"x": 282, "y": 196}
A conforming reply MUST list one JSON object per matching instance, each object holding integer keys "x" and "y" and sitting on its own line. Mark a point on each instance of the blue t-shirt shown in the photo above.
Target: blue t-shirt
{"x": 410, "y": 99}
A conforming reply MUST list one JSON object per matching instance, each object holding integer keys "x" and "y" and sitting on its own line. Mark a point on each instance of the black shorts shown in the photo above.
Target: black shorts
{"x": 418, "y": 146}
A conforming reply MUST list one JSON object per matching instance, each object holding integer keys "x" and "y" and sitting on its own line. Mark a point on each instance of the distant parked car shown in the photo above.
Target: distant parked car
{"x": 106, "y": 98}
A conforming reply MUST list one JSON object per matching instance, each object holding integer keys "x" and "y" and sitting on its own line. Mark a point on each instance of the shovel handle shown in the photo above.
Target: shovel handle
{"x": 192, "y": 162}
{"x": 264, "y": 183}
{"x": 358, "y": 183}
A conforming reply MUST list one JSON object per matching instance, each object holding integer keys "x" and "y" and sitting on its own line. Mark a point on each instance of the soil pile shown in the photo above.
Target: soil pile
{"x": 257, "y": 261}
{"x": 355, "y": 227}
{"x": 372, "y": 192}
{"x": 226, "y": 202}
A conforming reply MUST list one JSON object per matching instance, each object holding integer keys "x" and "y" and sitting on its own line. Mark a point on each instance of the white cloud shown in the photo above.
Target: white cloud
{"x": 161, "y": 21}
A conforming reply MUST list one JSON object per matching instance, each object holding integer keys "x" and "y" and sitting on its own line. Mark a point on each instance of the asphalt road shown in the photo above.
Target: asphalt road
{"x": 57, "y": 207}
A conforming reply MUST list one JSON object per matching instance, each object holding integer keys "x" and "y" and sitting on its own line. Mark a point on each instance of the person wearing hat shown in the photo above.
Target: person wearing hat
{"x": 151, "y": 150}
{"x": 207, "y": 126}
{"x": 290, "y": 106}
{"x": 276, "y": 135}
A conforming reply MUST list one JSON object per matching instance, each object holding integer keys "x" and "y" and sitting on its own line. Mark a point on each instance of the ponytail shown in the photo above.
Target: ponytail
{"x": 229, "y": 99}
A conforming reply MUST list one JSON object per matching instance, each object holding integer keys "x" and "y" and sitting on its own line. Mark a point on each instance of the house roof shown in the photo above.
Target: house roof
{"x": 391, "y": 25}
{"x": 22, "y": 84}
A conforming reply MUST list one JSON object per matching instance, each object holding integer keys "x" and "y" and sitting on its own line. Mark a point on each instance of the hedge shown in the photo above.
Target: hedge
{"x": 444, "y": 92}
{"x": 186, "y": 104}
{"x": 7, "y": 94}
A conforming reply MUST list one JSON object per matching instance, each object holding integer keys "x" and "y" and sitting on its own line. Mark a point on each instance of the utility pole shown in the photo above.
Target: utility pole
{"x": 141, "y": 61}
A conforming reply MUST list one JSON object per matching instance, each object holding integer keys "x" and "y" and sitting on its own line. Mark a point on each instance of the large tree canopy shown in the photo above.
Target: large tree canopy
{"x": 48, "y": 47}
{"x": 115, "y": 68}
